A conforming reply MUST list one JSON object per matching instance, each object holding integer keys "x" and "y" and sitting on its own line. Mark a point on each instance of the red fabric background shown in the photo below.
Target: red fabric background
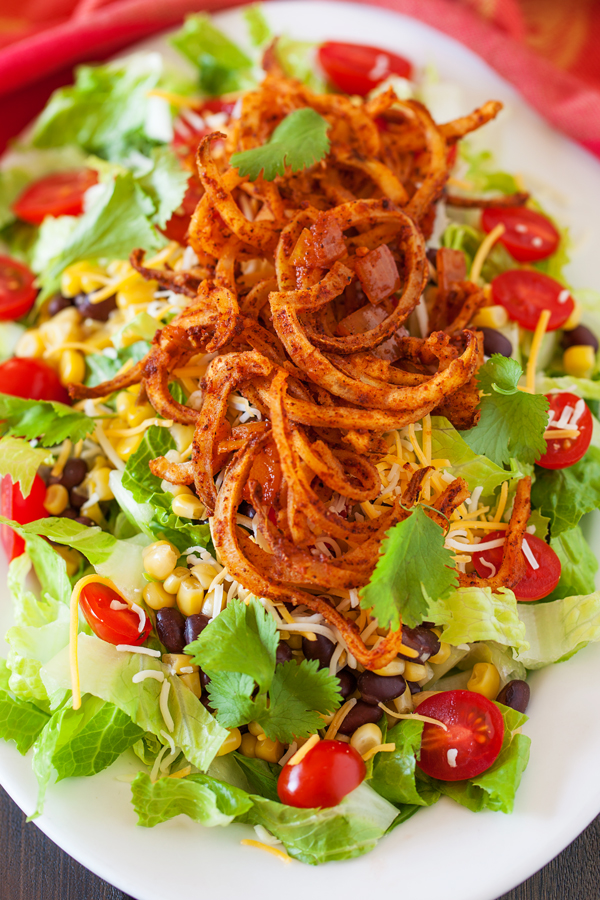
{"x": 549, "y": 49}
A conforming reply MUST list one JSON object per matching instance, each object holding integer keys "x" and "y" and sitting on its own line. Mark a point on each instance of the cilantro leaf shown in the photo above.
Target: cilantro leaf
{"x": 300, "y": 140}
{"x": 243, "y": 638}
{"x": 222, "y": 66}
{"x": 414, "y": 567}
{"x": 231, "y": 696}
{"x": 297, "y": 695}
{"x": 21, "y": 461}
{"x": 512, "y": 422}
{"x": 48, "y": 421}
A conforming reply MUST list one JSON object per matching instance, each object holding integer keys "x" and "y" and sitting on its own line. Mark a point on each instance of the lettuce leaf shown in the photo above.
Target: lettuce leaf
{"x": 477, "y": 614}
{"x": 202, "y": 798}
{"x": 557, "y": 630}
{"x": 104, "y": 365}
{"x": 222, "y": 66}
{"x": 394, "y": 774}
{"x": 258, "y": 27}
{"x": 298, "y": 60}
{"x": 564, "y": 495}
{"x": 582, "y": 387}
{"x": 20, "y": 721}
{"x": 477, "y": 470}
{"x": 578, "y": 565}
{"x": 482, "y": 174}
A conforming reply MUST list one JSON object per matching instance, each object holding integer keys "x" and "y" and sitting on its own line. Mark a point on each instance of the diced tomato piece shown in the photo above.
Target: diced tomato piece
{"x": 378, "y": 273}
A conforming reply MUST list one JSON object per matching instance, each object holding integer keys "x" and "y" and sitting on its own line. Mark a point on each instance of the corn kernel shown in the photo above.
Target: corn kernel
{"x": 56, "y": 500}
{"x": 156, "y": 597}
{"x": 124, "y": 403}
{"x": 177, "y": 662}
{"x": 575, "y": 318}
{"x": 414, "y": 671}
{"x": 175, "y": 489}
{"x": 129, "y": 445}
{"x": 579, "y": 361}
{"x": 404, "y": 703}
{"x": 491, "y": 317}
{"x": 98, "y": 483}
{"x": 366, "y": 737}
{"x": 188, "y": 507}
{"x": 192, "y": 681}
{"x": 484, "y": 680}
{"x": 205, "y": 573}
{"x": 295, "y": 641}
{"x": 160, "y": 559}
{"x": 138, "y": 414}
{"x": 30, "y": 345}
{"x": 269, "y": 750}
{"x": 173, "y": 582}
{"x": 190, "y": 597}
{"x": 71, "y": 557}
{"x": 136, "y": 291}
{"x": 73, "y": 277}
{"x": 257, "y": 730}
{"x": 61, "y": 328}
{"x": 442, "y": 655}
{"x": 231, "y": 742}
{"x": 395, "y": 667}
{"x": 183, "y": 435}
{"x": 248, "y": 746}
{"x": 71, "y": 367}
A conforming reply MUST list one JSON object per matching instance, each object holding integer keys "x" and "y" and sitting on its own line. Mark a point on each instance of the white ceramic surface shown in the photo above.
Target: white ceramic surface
{"x": 445, "y": 851}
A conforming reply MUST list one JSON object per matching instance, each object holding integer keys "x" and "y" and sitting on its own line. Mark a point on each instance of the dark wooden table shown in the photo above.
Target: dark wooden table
{"x": 33, "y": 868}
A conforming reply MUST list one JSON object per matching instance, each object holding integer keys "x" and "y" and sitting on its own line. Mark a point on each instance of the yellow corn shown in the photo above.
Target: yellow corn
{"x": 192, "y": 681}
{"x": 98, "y": 483}
{"x": 137, "y": 414}
{"x": 81, "y": 277}
{"x": 128, "y": 445}
{"x": 414, "y": 671}
{"x": 366, "y": 737}
{"x": 575, "y": 318}
{"x": 188, "y": 506}
{"x": 136, "y": 292}
{"x": 156, "y": 597}
{"x": 71, "y": 557}
{"x": 190, "y": 597}
{"x": 579, "y": 360}
{"x": 442, "y": 655}
{"x": 395, "y": 667}
{"x": 295, "y": 641}
{"x": 205, "y": 573}
{"x": 30, "y": 345}
{"x": 257, "y": 730}
{"x": 173, "y": 582}
{"x": 183, "y": 435}
{"x": 269, "y": 750}
{"x": 491, "y": 317}
{"x": 62, "y": 328}
{"x": 124, "y": 402}
{"x": 485, "y": 680}
{"x": 179, "y": 661}
{"x": 160, "y": 559}
{"x": 231, "y": 742}
{"x": 56, "y": 500}
{"x": 71, "y": 367}
{"x": 248, "y": 746}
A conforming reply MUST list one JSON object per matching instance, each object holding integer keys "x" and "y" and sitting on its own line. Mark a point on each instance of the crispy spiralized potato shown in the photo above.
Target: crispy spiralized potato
{"x": 300, "y": 336}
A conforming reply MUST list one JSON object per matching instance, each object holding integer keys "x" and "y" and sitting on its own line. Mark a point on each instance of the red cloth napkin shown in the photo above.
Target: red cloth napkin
{"x": 548, "y": 49}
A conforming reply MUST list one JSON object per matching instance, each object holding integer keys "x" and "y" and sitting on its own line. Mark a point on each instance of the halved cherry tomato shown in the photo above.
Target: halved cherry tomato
{"x": 524, "y": 294}
{"x": 357, "y": 68}
{"x": 20, "y": 509}
{"x": 472, "y": 741}
{"x": 115, "y": 626}
{"x": 323, "y": 778}
{"x": 60, "y": 194}
{"x": 31, "y": 379}
{"x": 177, "y": 227}
{"x": 17, "y": 293}
{"x": 529, "y": 235}
{"x": 536, "y": 583}
{"x": 563, "y": 452}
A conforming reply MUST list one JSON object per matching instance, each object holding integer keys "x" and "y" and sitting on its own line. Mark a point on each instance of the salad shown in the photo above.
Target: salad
{"x": 298, "y": 427}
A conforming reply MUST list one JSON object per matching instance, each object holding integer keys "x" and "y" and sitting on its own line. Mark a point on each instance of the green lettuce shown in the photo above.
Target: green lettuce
{"x": 222, "y": 66}
{"x": 482, "y": 173}
{"x": 104, "y": 365}
{"x": 582, "y": 387}
{"x": 297, "y": 59}
{"x": 20, "y": 721}
{"x": 578, "y": 565}
{"x": 564, "y": 495}
{"x": 202, "y": 798}
{"x": 476, "y": 614}
{"x": 258, "y": 27}
{"x": 557, "y": 630}
{"x": 394, "y": 774}
{"x": 459, "y": 236}
{"x": 477, "y": 470}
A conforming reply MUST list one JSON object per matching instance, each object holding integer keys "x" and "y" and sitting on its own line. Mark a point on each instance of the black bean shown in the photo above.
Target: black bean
{"x": 360, "y": 714}
{"x": 73, "y": 473}
{"x": 424, "y": 641}
{"x": 579, "y": 337}
{"x": 431, "y": 254}
{"x": 59, "y": 303}
{"x": 68, "y": 514}
{"x": 194, "y": 625}
{"x": 376, "y": 689}
{"x": 205, "y": 701}
{"x": 347, "y": 680}
{"x": 98, "y": 311}
{"x": 246, "y": 510}
{"x": 414, "y": 687}
{"x": 169, "y": 628}
{"x": 515, "y": 694}
{"x": 284, "y": 653}
{"x": 77, "y": 497}
{"x": 204, "y": 679}
{"x": 321, "y": 649}
{"x": 495, "y": 342}
{"x": 85, "y": 520}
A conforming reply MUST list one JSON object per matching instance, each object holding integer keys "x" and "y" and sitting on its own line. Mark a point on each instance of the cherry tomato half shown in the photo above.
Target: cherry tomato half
{"x": 529, "y": 235}
{"x": 472, "y": 741}
{"x": 31, "y": 379}
{"x": 17, "y": 293}
{"x": 357, "y": 69}
{"x": 177, "y": 227}
{"x": 60, "y": 194}
{"x": 20, "y": 509}
{"x": 563, "y": 452}
{"x": 115, "y": 626}
{"x": 536, "y": 583}
{"x": 524, "y": 294}
{"x": 323, "y": 778}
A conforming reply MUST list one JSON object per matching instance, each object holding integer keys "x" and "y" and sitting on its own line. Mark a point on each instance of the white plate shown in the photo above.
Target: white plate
{"x": 446, "y": 851}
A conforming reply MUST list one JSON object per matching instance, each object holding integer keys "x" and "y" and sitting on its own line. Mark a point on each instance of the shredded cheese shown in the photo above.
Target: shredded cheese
{"x": 164, "y": 705}
{"x": 501, "y": 502}
{"x": 148, "y": 673}
{"x": 304, "y": 749}
{"x": 339, "y": 718}
{"x": 536, "y": 343}
{"x": 380, "y": 748}
{"x": 415, "y": 716}
{"x": 131, "y": 648}
{"x": 275, "y": 851}
{"x": 483, "y": 251}
{"x": 181, "y": 773}
{"x": 65, "y": 451}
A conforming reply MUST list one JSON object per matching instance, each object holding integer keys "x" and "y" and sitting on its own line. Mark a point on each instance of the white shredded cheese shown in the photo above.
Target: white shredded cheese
{"x": 187, "y": 670}
{"x": 116, "y": 604}
{"x": 564, "y": 296}
{"x": 529, "y": 555}
{"x": 145, "y": 651}
{"x": 265, "y": 836}
{"x": 451, "y": 757}
{"x": 164, "y": 705}
{"x": 489, "y": 566}
{"x": 141, "y": 616}
{"x": 148, "y": 673}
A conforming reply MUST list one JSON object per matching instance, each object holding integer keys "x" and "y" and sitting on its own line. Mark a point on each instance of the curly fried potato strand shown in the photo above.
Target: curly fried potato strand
{"x": 280, "y": 316}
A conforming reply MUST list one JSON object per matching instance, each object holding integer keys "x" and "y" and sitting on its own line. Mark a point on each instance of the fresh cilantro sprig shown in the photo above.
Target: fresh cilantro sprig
{"x": 238, "y": 652}
{"x": 414, "y": 567}
{"x": 299, "y": 141}
{"x": 512, "y": 422}
{"x": 48, "y": 421}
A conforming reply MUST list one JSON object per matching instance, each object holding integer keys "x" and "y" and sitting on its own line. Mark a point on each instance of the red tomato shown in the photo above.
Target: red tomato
{"x": 115, "y": 626}
{"x": 60, "y": 194}
{"x": 266, "y": 470}
{"x": 31, "y": 379}
{"x": 323, "y": 778}
{"x": 357, "y": 69}
{"x": 529, "y": 235}
{"x": 563, "y": 452}
{"x": 475, "y": 730}
{"x": 525, "y": 294}
{"x": 536, "y": 583}
{"x": 177, "y": 227}
{"x": 20, "y": 509}
{"x": 17, "y": 293}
